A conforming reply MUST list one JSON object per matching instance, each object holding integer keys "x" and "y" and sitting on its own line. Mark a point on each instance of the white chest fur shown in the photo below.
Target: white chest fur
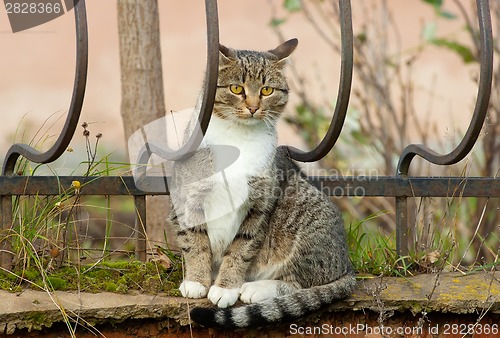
{"x": 227, "y": 204}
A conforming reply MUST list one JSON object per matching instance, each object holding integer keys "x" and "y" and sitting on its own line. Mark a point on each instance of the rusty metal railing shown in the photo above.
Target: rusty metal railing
{"x": 470, "y": 138}
{"x": 62, "y": 142}
{"x": 401, "y": 186}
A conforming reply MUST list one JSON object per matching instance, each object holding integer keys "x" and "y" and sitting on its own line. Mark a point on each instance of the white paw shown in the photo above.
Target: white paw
{"x": 258, "y": 291}
{"x": 192, "y": 289}
{"x": 223, "y": 297}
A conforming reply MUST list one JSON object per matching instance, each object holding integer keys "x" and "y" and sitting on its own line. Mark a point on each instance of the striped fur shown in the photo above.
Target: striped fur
{"x": 258, "y": 231}
{"x": 284, "y": 308}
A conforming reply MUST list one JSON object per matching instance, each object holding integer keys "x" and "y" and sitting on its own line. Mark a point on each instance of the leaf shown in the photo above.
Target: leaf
{"x": 435, "y": 3}
{"x": 275, "y": 22}
{"x": 438, "y": 4}
{"x": 463, "y": 51}
{"x": 447, "y": 15}
{"x": 361, "y": 37}
{"x": 429, "y": 31}
{"x": 293, "y": 5}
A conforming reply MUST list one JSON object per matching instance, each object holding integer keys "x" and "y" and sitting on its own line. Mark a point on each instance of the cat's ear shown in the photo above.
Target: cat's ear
{"x": 285, "y": 49}
{"x": 226, "y": 54}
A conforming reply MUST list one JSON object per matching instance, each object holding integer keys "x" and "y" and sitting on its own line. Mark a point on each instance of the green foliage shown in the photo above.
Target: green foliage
{"x": 50, "y": 247}
{"x": 429, "y": 34}
{"x": 311, "y": 122}
{"x": 463, "y": 51}
{"x": 275, "y": 22}
{"x": 293, "y": 5}
{"x": 438, "y": 7}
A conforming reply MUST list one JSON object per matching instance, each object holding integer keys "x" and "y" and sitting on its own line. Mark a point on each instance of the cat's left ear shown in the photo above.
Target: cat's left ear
{"x": 285, "y": 49}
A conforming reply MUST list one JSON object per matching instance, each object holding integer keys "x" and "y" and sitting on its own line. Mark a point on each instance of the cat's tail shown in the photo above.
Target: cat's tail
{"x": 280, "y": 309}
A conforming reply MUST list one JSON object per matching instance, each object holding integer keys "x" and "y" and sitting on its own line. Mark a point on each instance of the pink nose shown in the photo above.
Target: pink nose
{"x": 252, "y": 109}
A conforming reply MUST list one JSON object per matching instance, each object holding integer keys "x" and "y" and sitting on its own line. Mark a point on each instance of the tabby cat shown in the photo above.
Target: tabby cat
{"x": 249, "y": 225}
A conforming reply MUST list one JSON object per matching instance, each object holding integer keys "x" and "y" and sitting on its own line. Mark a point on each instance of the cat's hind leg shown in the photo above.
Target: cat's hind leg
{"x": 258, "y": 291}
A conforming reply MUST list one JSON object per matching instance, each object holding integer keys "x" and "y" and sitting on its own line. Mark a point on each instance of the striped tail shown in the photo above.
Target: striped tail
{"x": 280, "y": 309}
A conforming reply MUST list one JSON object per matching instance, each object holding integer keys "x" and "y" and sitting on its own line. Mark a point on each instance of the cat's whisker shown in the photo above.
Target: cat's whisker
{"x": 270, "y": 123}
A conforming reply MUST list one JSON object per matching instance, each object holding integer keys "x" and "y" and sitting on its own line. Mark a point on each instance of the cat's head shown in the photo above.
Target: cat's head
{"x": 251, "y": 87}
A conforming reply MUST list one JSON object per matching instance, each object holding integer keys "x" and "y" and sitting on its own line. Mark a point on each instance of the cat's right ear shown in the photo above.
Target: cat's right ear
{"x": 284, "y": 50}
{"x": 226, "y": 54}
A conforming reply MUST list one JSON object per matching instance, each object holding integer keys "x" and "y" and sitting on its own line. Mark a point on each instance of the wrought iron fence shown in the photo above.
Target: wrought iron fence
{"x": 400, "y": 187}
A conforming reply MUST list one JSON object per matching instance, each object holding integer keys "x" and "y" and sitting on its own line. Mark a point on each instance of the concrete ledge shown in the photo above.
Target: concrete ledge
{"x": 444, "y": 293}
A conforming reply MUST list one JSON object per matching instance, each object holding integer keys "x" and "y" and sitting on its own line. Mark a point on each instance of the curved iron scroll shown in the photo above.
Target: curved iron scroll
{"x": 339, "y": 115}
{"x": 75, "y": 108}
{"x": 480, "y": 109}
{"x": 210, "y": 87}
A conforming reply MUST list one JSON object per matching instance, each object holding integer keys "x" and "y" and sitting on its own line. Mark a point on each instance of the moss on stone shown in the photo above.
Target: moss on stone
{"x": 118, "y": 276}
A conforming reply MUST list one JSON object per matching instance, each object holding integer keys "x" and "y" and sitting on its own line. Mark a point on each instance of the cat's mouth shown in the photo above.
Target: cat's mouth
{"x": 255, "y": 117}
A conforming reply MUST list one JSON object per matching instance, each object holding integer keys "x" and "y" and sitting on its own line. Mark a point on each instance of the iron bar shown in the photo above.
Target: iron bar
{"x": 345, "y": 186}
{"x": 75, "y": 108}
{"x": 209, "y": 89}
{"x": 5, "y": 235}
{"x": 140, "y": 228}
{"x": 401, "y": 204}
{"x": 343, "y": 95}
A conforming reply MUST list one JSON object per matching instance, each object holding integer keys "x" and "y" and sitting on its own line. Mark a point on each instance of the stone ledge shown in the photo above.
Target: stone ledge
{"x": 453, "y": 293}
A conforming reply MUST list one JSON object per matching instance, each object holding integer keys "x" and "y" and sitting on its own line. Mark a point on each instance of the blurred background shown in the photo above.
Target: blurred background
{"x": 37, "y": 65}
{"x": 415, "y": 81}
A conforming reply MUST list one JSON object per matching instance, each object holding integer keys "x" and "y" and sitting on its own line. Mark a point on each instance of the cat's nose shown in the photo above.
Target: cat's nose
{"x": 252, "y": 109}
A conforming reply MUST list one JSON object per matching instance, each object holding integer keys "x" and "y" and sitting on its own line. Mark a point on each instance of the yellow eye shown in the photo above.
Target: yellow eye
{"x": 236, "y": 89}
{"x": 266, "y": 91}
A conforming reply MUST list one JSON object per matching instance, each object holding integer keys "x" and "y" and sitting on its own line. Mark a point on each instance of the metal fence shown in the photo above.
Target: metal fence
{"x": 400, "y": 187}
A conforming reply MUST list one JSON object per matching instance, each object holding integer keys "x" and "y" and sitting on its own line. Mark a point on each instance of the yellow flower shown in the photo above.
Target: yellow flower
{"x": 76, "y": 185}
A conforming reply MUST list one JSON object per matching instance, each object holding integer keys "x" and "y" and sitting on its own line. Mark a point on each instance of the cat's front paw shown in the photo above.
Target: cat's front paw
{"x": 223, "y": 297}
{"x": 258, "y": 291}
{"x": 192, "y": 289}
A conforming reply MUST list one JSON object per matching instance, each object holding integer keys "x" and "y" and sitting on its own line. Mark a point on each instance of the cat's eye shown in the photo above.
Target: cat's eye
{"x": 236, "y": 89}
{"x": 266, "y": 91}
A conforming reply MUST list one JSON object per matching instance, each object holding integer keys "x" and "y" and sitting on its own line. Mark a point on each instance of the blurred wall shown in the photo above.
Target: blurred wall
{"x": 37, "y": 65}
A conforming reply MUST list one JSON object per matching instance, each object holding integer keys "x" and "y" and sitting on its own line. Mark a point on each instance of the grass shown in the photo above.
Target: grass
{"x": 373, "y": 251}
{"x": 55, "y": 248}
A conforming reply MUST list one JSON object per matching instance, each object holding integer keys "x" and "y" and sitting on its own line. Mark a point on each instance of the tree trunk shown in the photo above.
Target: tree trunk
{"x": 142, "y": 89}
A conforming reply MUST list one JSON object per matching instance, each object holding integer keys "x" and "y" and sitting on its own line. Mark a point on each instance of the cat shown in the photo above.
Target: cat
{"x": 249, "y": 225}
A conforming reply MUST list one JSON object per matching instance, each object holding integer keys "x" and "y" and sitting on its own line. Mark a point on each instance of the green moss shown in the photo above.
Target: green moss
{"x": 57, "y": 283}
{"x": 120, "y": 264}
{"x": 36, "y": 318}
{"x": 110, "y": 287}
{"x": 31, "y": 274}
{"x": 9, "y": 276}
{"x": 119, "y": 277}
